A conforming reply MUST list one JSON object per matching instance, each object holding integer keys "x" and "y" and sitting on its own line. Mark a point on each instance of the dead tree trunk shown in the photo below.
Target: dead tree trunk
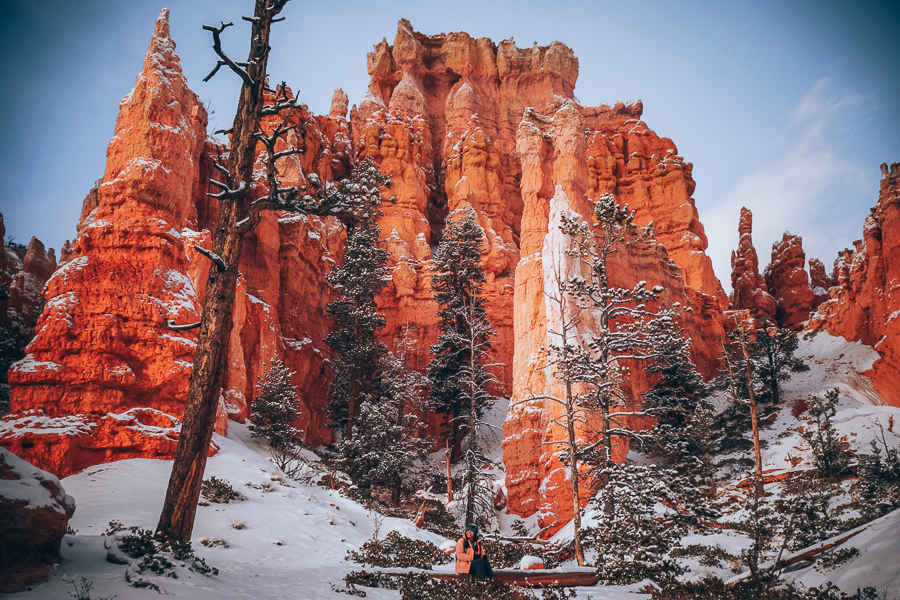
{"x": 179, "y": 509}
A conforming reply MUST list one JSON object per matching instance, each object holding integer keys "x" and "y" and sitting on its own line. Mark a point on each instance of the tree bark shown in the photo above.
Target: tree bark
{"x": 180, "y": 507}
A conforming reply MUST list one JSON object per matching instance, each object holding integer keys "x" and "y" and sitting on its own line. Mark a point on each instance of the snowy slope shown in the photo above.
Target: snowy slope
{"x": 295, "y": 536}
{"x": 292, "y": 545}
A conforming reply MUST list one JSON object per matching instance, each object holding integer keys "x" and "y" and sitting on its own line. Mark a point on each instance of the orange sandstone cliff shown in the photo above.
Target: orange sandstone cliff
{"x": 865, "y": 300}
{"x": 455, "y": 122}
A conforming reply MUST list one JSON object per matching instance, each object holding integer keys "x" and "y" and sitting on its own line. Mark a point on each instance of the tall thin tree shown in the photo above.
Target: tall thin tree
{"x": 457, "y": 372}
{"x": 238, "y": 214}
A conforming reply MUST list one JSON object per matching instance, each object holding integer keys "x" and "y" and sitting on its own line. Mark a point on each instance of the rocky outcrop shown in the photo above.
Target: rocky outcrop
{"x": 555, "y": 158}
{"x": 865, "y": 299}
{"x": 749, "y": 289}
{"x": 23, "y": 273}
{"x": 788, "y": 282}
{"x": 104, "y": 349}
{"x": 819, "y": 281}
{"x": 102, "y": 344}
{"x": 34, "y": 515}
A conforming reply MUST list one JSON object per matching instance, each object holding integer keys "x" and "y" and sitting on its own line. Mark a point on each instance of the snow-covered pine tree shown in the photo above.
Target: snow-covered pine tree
{"x": 626, "y": 331}
{"x": 776, "y": 360}
{"x": 356, "y": 281}
{"x": 457, "y": 371}
{"x": 831, "y": 458}
{"x": 634, "y": 533}
{"x": 682, "y": 412}
{"x": 877, "y": 491}
{"x": 275, "y": 408}
{"x": 385, "y": 448}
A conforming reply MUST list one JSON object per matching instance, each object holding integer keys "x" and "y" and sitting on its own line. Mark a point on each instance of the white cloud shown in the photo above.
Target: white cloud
{"x": 808, "y": 188}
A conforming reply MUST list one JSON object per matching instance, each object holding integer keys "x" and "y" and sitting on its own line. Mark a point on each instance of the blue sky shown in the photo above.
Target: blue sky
{"x": 787, "y": 108}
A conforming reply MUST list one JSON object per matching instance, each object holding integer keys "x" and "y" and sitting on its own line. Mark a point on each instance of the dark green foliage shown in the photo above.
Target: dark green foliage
{"x": 385, "y": 448}
{"x": 775, "y": 361}
{"x": 772, "y": 361}
{"x": 715, "y": 589}
{"x": 276, "y": 407}
{"x": 218, "y": 491}
{"x": 761, "y": 526}
{"x": 831, "y": 458}
{"x": 460, "y": 382}
{"x": 456, "y": 284}
{"x": 356, "y": 282}
{"x": 418, "y": 586}
{"x": 398, "y": 551}
{"x": 632, "y": 541}
{"x": 804, "y": 512}
{"x": 835, "y": 558}
{"x": 684, "y": 430}
{"x": 153, "y": 553}
{"x": 12, "y": 349}
{"x": 710, "y": 556}
{"x": 877, "y": 491}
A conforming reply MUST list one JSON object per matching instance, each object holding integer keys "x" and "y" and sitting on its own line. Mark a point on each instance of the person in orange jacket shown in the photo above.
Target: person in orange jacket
{"x": 470, "y": 556}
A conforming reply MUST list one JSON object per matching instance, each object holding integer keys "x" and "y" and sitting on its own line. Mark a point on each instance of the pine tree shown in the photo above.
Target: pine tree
{"x": 457, "y": 371}
{"x": 634, "y": 533}
{"x": 275, "y": 408}
{"x": 624, "y": 331}
{"x": 877, "y": 491}
{"x": 386, "y": 448}
{"x": 776, "y": 362}
{"x": 356, "y": 281}
{"x": 831, "y": 458}
{"x": 682, "y": 433}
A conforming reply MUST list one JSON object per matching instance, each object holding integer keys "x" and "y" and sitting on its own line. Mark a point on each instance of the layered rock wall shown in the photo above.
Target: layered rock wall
{"x": 865, "y": 300}
{"x": 557, "y": 179}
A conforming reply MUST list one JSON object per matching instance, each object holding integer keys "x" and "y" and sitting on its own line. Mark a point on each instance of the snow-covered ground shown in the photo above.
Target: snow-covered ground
{"x": 289, "y": 540}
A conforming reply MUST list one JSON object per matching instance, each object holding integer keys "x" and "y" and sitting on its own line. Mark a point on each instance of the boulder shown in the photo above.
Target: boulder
{"x": 34, "y": 517}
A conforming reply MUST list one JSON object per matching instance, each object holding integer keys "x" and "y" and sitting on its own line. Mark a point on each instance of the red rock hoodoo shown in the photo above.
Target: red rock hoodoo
{"x": 865, "y": 299}
{"x": 749, "y": 290}
{"x": 455, "y": 122}
{"x": 788, "y": 282}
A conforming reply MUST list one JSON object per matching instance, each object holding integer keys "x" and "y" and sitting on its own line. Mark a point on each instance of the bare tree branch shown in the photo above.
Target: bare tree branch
{"x": 215, "y": 258}
{"x": 217, "y": 46}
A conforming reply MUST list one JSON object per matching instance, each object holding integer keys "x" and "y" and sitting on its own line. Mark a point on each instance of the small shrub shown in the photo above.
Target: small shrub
{"x": 518, "y": 527}
{"x": 505, "y": 556}
{"x": 276, "y": 407}
{"x": 400, "y": 552}
{"x": 155, "y": 553}
{"x": 416, "y": 586}
{"x": 835, "y": 558}
{"x": 219, "y": 491}
{"x": 291, "y": 462}
{"x": 239, "y": 525}
{"x": 83, "y": 590}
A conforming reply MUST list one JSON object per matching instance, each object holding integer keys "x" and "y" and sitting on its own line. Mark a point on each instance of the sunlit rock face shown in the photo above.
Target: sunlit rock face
{"x": 455, "y": 122}
{"x": 102, "y": 345}
{"x": 865, "y": 298}
{"x": 104, "y": 352}
{"x": 555, "y": 157}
